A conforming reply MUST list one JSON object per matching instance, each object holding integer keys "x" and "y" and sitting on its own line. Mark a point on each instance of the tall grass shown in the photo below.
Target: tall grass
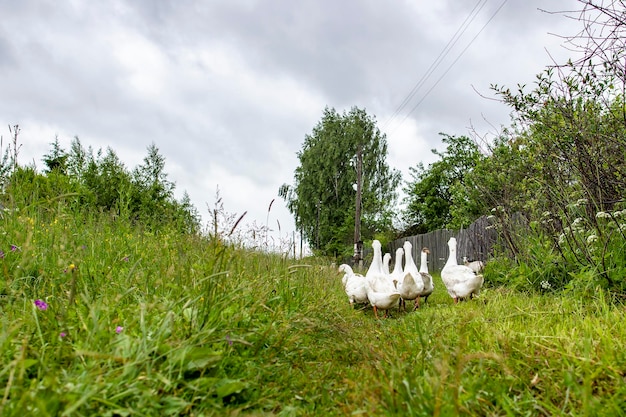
{"x": 143, "y": 323}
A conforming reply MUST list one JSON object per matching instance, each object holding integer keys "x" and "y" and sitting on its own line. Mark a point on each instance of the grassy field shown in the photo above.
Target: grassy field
{"x": 101, "y": 318}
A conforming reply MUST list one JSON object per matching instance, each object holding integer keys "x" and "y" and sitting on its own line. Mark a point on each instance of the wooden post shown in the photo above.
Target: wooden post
{"x": 358, "y": 244}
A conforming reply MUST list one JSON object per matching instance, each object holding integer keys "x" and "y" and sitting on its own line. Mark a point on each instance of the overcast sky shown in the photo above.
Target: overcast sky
{"x": 227, "y": 89}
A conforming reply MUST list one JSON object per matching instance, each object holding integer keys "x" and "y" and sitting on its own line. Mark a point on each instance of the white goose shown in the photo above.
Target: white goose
{"x": 376, "y": 267}
{"x": 381, "y": 300}
{"x": 381, "y": 290}
{"x": 429, "y": 286}
{"x": 355, "y": 285}
{"x": 460, "y": 280}
{"x": 380, "y": 281}
{"x": 476, "y": 266}
{"x": 386, "y": 261}
{"x": 397, "y": 273}
{"x": 412, "y": 283}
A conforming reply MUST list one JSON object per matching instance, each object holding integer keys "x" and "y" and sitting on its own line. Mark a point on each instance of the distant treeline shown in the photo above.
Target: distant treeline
{"x": 97, "y": 181}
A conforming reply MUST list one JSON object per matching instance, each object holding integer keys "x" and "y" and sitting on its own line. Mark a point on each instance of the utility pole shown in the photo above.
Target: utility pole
{"x": 358, "y": 243}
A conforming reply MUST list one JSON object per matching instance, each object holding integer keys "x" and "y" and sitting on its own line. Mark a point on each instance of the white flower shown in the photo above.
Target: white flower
{"x": 545, "y": 285}
{"x": 581, "y": 201}
{"x": 578, "y": 224}
{"x": 620, "y": 213}
{"x": 561, "y": 239}
{"x": 591, "y": 239}
{"x": 603, "y": 215}
{"x": 546, "y": 214}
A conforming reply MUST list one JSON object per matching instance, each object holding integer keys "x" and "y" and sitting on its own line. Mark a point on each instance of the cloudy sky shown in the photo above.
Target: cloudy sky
{"x": 227, "y": 89}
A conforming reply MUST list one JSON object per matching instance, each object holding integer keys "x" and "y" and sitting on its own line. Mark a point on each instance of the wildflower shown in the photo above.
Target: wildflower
{"x": 71, "y": 267}
{"x": 603, "y": 215}
{"x": 546, "y": 214}
{"x": 119, "y": 329}
{"x": 62, "y": 335}
{"x": 581, "y": 201}
{"x": 1, "y": 254}
{"x": 591, "y": 239}
{"x": 14, "y": 248}
{"x": 230, "y": 342}
{"x": 546, "y": 285}
{"x": 125, "y": 259}
{"x": 41, "y": 305}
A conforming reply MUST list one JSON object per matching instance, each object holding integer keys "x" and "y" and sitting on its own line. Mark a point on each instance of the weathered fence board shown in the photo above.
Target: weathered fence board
{"x": 476, "y": 243}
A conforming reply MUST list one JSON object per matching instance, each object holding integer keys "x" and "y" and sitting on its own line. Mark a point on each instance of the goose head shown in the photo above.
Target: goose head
{"x": 345, "y": 268}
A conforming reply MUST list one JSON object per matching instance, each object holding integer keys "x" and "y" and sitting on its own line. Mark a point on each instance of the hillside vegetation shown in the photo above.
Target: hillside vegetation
{"x": 103, "y": 317}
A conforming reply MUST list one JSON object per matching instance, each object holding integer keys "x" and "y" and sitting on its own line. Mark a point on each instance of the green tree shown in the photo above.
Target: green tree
{"x": 77, "y": 160}
{"x": 106, "y": 179}
{"x": 323, "y": 199}
{"x": 436, "y": 195}
{"x": 56, "y": 159}
{"x": 155, "y": 191}
{"x": 186, "y": 217}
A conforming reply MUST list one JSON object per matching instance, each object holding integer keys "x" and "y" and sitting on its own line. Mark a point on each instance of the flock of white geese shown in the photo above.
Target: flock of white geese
{"x": 384, "y": 289}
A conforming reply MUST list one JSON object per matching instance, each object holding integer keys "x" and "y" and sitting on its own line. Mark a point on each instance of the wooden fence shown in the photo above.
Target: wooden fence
{"x": 476, "y": 243}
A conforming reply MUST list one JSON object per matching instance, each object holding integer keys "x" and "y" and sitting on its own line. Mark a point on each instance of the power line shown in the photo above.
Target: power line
{"x": 452, "y": 64}
{"x": 444, "y": 52}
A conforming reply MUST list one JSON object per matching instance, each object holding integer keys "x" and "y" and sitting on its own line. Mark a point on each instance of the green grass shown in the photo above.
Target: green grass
{"x": 210, "y": 329}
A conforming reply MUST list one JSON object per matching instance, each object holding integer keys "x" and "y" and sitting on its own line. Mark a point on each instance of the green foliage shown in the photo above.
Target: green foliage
{"x": 564, "y": 173}
{"x": 437, "y": 196}
{"x": 77, "y": 160}
{"x": 102, "y": 183}
{"x": 56, "y": 160}
{"x": 322, "y": 199}
{"x": 152, "y": 188}
{"x": 107, "y": 182}
{"x": 6, "y": 163}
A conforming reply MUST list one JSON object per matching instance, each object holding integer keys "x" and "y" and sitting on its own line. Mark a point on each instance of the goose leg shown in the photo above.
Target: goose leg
{"x": 375, "y": 312}
{"x": 417, "y": 304}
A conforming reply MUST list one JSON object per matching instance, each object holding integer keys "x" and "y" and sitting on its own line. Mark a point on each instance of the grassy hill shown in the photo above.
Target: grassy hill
{"x": 101, "y": 317}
